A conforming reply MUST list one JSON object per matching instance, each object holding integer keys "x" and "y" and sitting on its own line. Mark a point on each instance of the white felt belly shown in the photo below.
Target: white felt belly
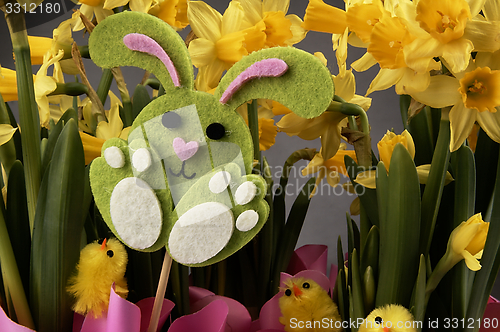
{"x": 136, "y": 213}
{"x": 201, "y": 233}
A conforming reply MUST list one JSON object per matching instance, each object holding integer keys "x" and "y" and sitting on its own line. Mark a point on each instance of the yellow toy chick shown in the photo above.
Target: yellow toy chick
{"x": 389, "y": 318}
{"x": 99, "y": 266}
{"x": 307, "y": 307}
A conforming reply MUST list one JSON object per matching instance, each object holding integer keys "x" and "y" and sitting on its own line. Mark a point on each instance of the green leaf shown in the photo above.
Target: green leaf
{"x": 399, "y": 231}
{"x": 369, "y": 289}
{"x": 343, "y": 296}
{"x": 368, "y": 197}
{"x": 418, "y": 299}
{"x": 56, "y": 249}
{"x": 490, "y": 262}
{"x": 357, "y": 288}
{"x": 464, "y": 171}
{"x": 7, "y": 150}
{"x": 420, "y": 128}
{"x": 267, "y": 245}
{"x": 370, "y": 258}
{"x": 17, "y": 221}
{"x": 433, "y": 191}
{"x": 290, "y": 235}
{"x": 139, "y": 100}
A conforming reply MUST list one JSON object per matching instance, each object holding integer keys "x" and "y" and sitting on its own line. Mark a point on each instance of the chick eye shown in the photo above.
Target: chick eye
{"x": 306, "y": 285}
{"x": 288, "y": 292}
{"x": 215, "y": 131}
{"x": 100, "y": 241}
{"x": 171, "y": 120}
{"x": 110, "y": 253}
{"x": 378, "y": 320}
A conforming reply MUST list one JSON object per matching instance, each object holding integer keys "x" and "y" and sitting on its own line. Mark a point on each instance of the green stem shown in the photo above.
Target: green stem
{"x": 104, "y": 85}
{"x": 70, "y": 89}
{"x": 12, "y": 278}
{"x": 253, "y": 124}
{"x": 28, "y": 110}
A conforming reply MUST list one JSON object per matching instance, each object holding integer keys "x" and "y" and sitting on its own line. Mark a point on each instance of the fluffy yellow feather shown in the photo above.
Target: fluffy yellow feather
{"x": 99, "y": 266}
{"x": 307, "y": 307}
{"x": 389, "y": 318}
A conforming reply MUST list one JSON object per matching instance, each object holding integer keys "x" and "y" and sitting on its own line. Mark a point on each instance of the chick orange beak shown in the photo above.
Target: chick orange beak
{"x": 296, "y": 290}
{"x": 386, "y": 329}
{"x": 103, "y": 245}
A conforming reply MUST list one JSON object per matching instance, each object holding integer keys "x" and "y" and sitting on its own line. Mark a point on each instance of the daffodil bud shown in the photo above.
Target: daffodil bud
{"x": 387, "y": 144}
{"x": 467, "y": 241}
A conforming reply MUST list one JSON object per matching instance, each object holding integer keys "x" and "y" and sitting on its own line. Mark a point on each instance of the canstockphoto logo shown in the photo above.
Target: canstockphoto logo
{"x": 37, "y": 12}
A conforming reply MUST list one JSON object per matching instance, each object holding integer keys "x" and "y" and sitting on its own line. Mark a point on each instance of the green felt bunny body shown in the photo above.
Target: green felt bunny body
{"x": 183, "y": 177}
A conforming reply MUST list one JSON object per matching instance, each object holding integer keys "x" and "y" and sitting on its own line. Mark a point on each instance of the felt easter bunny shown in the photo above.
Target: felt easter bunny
{"x": 183, "y": 177}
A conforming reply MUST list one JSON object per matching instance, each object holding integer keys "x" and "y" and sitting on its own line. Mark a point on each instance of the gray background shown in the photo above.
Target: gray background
{"x": 326, "y": 218}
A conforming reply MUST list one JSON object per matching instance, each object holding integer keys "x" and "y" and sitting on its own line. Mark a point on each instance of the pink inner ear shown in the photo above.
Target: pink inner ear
{"x": 264, "y": 68}
{"x": 142, "y": 43}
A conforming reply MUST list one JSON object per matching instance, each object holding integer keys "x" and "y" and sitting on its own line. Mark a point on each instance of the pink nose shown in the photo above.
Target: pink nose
{"x": 184, "y": 150}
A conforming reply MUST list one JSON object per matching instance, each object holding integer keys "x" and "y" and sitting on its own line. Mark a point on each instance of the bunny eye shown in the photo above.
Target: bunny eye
{"x": 171, "y": 120}
{"x": 215, "y": 131}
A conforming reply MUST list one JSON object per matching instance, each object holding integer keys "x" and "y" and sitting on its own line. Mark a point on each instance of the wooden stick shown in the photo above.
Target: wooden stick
{"x": 160, "y": 293}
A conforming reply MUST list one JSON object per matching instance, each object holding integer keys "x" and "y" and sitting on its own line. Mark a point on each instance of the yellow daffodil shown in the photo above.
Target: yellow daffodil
{"x": 38, "y": 47}
{"x": 91, "y": 146}
{"x": 220, "y": 41}
{"x": 324, "y": 18}
{"x": 386, "y": 147}
{"x": 270, "y": 19}
{"x": 44, "y": 85}
{"x": 466, "y": 242}
{"x": 474, "y": 95}
{"x": 8, "y": 84}
{"x": 267, "y": 128}
{"x": 103, "y": 8}
{"x": 174, "y": 12}
{"x": 105, "y": 129}
{"x": 330, "y": 168}
{"x": 327, "y": 125}
{"x": 450, "y": 29}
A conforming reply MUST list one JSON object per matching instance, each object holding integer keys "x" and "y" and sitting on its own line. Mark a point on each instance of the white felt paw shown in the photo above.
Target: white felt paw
{"x": 245, "y": 193}
{"x": 141, "y": 159}
{"x": 219, "y": 182}
{"x": 247, "y": 220}
{"x": 136, "y": 213}
{"x": 114, "y": 157}
{"x": 201, "y": 233}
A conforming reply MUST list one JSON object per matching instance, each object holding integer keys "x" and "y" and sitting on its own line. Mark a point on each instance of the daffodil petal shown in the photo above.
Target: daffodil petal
{"x": 412, "y": 81}
{"x": 6, "y": 133}
{"x": 421, "y": 49}
{"x": 202, "y": 52}
{"x": 487, "y": 59}
{"x": 490, "y": 122}
{"x": 484, "y": 35}
{"x": 231, "y": 20}
{"x": 298, "y": 32}
{"x": 364, "y": 63}
{"x": 355, "y": 208}
{"x": 491, "y": 10}
{"x": 253, "y": 10}
{"x": 476, "y": 6}
{"x": 442, "y": 92}
{"x": 275, "y": 6}
{"x": 368, "y": 178}
{"x": 364, "y": 102}
{"x": 345, "y": 87}
{"x": 423, "y": 174}
{"x": 461, "y": 122}
{"x": 471, "y": 262}
{"x": 110, "y": 4}
{"x": 457, "y": 53}
{"x": 333, "y": 178}
{"x": 330, "y": 142}
{"x": 385, "y": 79}
{"x": 204, "y": 20}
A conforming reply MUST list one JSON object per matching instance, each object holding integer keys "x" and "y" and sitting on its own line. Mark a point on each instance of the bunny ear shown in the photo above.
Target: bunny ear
{"x": 144, "y": 41}
{"x": 292, "y": 77}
